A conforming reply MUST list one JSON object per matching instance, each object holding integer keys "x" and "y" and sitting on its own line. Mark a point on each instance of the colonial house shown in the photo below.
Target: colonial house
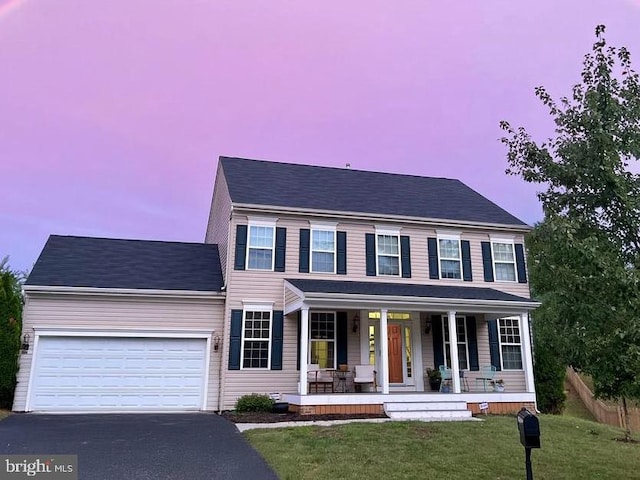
{"x": 333, "y": 289}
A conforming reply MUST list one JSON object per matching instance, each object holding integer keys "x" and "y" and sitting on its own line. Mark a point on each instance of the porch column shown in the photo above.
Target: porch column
{"x": 527, "y": 357}
{"x": 453, "y": 345}
{"x": 384, "y": 357}
{"x": 304, "y": 349}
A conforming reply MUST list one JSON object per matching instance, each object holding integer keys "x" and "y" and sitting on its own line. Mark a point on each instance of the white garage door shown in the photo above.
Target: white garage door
{"x": 78, "y": 374}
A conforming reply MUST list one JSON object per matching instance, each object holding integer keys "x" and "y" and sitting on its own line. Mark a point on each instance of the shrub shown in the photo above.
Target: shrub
{"x": 549, "y": 369}
{"x": 254, "y": 402}
{"x": 10, "y": 327}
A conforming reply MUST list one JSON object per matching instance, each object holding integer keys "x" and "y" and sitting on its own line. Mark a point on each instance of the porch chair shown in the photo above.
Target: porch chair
{"x": 364, "y": 375}
{"x": 446, "y": 376}
{"x": 485, "y": 375}
{"x": 316, "y": 377}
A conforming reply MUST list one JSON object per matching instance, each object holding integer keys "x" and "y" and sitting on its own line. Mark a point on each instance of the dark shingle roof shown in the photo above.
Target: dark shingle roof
{"x": 132, "y": 264}
{"x": 335, "y": 189}
{"x": 403, "y": 290}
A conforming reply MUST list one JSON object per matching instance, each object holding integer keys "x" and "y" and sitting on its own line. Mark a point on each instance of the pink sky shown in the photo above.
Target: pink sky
{"x": 113, "y": 114}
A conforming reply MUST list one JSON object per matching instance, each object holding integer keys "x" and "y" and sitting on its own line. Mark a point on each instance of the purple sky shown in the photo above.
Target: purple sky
{"x": 112, "y": 117}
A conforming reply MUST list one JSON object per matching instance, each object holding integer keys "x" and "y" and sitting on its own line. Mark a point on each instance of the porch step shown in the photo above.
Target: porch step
{"x": 427, "y": 410}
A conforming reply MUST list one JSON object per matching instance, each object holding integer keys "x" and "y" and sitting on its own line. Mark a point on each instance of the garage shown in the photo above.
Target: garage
{"x": 112, "y": 374}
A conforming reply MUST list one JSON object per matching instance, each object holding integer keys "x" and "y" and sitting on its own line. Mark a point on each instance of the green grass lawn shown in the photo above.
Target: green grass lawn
{"x": 572, "y": 448}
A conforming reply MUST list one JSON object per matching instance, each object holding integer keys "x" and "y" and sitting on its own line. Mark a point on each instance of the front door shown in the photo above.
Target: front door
{"x": 396, "y": 374}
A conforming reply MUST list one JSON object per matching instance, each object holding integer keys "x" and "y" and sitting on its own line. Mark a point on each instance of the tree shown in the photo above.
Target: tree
{"x": 10, "y": 327}
{"x": 584, "y": 257}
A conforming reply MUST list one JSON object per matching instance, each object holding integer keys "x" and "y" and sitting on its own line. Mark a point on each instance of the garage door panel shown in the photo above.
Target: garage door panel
{"x": 118, "y": 374}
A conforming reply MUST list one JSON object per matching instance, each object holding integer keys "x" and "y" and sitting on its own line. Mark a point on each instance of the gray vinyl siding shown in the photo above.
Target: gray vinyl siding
{"x": 218, "y": 225}
{"x": 116, "y": 312}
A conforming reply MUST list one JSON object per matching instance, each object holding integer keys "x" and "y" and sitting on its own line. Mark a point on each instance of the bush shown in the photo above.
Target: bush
{"x": 549, "y": 368}
{"x": 10, "y": 327}
{"x": 254, "y": 402}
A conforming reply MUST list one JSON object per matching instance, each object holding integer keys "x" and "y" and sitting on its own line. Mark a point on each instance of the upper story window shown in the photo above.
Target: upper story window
{"x": 323, "y": 250}
{"x": 450, "y": 256}
{"x": 388, "y": 254}
{"x": 504, "y": 260}
{"x": 256, "y": 338}
{"x": 260, "y": 247}
{"x": 510, "y": 343}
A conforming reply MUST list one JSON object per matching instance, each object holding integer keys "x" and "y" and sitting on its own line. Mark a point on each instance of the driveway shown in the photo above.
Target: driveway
{"x": 152, "y": 446}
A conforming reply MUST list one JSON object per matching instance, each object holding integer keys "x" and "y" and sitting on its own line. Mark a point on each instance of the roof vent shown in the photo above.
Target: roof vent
{"x": 348, "y": 166}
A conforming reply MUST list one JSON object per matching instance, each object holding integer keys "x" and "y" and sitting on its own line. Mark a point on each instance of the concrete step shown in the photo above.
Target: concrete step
{"x": 434, "y": 415}
{"x": 424, "y": 406}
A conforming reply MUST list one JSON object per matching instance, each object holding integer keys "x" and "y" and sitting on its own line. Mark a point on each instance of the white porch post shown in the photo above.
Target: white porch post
{"x": 527, "y": 357}
{"x": 384, "y": 357}
{"x": 304, "y": 349}
{"x": 453, "y": 344}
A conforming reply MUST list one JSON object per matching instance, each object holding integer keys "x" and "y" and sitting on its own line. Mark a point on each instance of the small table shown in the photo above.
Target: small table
{"x": 341, "y": 376}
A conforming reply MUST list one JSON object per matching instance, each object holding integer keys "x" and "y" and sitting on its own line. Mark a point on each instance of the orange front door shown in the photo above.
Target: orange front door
{"x": 395, "y": 354}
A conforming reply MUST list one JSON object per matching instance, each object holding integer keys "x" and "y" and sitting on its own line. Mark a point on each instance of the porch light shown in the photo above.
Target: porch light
{"x": 25, "y": 342}
{"x": 216, "y": 342}
{"x": 356, "y": 323}
{"x": 427, "y": 326}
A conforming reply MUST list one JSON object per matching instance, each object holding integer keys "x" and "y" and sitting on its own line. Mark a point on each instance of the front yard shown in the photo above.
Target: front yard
{"x": 571, "y": 448}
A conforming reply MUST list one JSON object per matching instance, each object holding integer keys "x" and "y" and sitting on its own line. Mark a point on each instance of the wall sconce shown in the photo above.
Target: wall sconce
{"x": 356, "y": 323}
{"x": 216, "y": 342}
{"x": 427, "y": 325}
{"x": 25, "y": 342}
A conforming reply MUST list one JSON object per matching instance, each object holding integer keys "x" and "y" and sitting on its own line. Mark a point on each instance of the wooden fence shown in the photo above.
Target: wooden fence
{"x": 602, "y": 412}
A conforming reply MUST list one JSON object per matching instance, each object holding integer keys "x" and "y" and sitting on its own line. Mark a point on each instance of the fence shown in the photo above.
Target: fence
{"x": 602, "y": 412}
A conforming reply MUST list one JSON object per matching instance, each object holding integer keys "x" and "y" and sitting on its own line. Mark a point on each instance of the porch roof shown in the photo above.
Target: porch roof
{"x": 343, "y": 294}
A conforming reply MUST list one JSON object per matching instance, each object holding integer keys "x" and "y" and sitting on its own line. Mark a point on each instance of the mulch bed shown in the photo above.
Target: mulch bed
{"x": 266, "y": 417}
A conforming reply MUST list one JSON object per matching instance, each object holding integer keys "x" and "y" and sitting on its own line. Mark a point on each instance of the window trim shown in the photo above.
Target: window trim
{"x": 388, "y": 233}
{"x": 445, "y": 325}
{"x": 315, "y": 227}
{"x": 256, "y": 308}
{"x": 335, "y": 337}
{"x": 449, "y": 236}
{"x": 261, "y": 223}
{"x": 510, "y": 344}
{"x": 505, "y": 241}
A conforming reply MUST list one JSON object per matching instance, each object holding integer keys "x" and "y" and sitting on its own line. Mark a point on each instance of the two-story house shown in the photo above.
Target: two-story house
{"x": 306, "y": 273}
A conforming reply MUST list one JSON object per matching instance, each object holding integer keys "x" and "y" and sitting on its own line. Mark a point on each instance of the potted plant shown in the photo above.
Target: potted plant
{"x": 434, "y": 378}
{"x": 498, "y": 385}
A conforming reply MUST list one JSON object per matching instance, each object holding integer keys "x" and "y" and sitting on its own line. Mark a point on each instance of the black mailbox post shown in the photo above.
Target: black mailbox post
{"x": 529, "y": 429}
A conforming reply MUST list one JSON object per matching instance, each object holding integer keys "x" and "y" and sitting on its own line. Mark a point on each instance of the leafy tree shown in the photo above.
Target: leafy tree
{"x": 584, "y": 256}
{"x": 10, "y": 327}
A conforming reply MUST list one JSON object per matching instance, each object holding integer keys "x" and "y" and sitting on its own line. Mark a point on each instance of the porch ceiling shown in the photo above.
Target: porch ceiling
{"x": 376, "y": 295}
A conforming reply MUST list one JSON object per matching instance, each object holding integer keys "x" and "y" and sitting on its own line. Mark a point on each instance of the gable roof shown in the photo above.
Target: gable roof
{"x": 68, "y": 261}
{"x": 257, "y": 182}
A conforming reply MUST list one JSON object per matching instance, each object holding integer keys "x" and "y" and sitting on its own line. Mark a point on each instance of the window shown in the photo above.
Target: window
{"x": 261, "y": 245}
{"x": 463, "y": 349}
{"x": 388, "y": 253}
{"x": 450, "y": 258}
{"x": 256, "y": 337}
{"x": 510, "y": 343}
{"x": 504, "y": 264}
{"x": 323, "y": 251}
{"x": 322, "y": 336}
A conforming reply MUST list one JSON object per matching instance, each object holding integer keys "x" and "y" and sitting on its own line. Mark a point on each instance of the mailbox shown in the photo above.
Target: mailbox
{"x": 529, "y": 429}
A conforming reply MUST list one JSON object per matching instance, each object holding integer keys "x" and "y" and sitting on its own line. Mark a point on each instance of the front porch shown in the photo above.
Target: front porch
{"x": 346, "y": 324}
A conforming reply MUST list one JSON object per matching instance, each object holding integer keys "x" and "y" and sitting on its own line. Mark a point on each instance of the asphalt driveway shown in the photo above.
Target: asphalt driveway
{"x": 163, "y": 446}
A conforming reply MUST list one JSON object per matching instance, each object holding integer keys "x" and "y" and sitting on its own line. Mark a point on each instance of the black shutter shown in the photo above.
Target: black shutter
{"x": 472, "y": 341}
{"x": 277, "y": 328}
{"x": 432, "y": 249}
{"x": 299, "y": 337}
{"x": 405, "y": 255}
{"x": 281, "y": 249}
{"x": 235, "y": 340}
{"x": 522, "y": 268}
{"x": 370, "y": 244}
{"x": 438, "y": 345}
{"x": 305, "y": 235}
{"x": 466, "y": 261}
{"x": 341, "y": 240}
{"x": 241, "y": 247}
{"x": 487, "y": 262}
{"x": 494, "y": 345}
{"x": 342, "y": 327}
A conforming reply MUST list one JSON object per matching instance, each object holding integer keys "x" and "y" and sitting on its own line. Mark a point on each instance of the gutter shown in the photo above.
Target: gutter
{"x": 127, "y": 292}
